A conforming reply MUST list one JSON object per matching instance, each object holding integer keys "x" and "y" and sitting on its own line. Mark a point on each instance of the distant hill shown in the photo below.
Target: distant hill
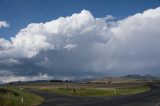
{"x": 140, "y": 77}
{"x": 126, "y": 79}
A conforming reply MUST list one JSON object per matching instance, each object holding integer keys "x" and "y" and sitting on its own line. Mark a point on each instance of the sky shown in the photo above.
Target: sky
{"x": 78, "y": 39}
{"x": 20, "y": 13}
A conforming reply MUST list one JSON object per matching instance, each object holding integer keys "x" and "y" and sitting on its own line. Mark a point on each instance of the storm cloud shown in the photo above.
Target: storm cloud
{"x": 82, "y": 46}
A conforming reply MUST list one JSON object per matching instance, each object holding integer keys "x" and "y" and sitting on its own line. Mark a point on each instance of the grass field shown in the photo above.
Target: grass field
{"x": 97, "y": 91}
{"x": 13, "y": 96}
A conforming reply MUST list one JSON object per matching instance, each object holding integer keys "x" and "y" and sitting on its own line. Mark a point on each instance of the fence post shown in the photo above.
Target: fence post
{"x": 22, "y": 100}
{"x": 115, "y": 92}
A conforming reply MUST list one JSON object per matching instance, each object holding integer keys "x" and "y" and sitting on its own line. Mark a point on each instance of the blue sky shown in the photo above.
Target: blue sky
{"x": 19, "y": 13}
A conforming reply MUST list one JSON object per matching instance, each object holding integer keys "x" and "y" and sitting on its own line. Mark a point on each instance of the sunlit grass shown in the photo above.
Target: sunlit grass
{"x": 12, "y": 96}
{"x": 98, "y": 91}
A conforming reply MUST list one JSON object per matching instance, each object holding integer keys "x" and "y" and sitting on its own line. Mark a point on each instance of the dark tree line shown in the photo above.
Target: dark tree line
{"x": 60, "y": 81}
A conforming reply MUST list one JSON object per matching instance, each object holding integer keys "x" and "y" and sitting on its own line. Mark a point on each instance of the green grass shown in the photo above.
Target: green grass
{"x": 98, "y": 91}
{"x": 12, "y": 96}
{"x": 132, "y": 90}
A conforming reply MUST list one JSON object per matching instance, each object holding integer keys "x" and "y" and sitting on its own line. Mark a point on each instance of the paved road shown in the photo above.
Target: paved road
{"x": 149, "y": 98}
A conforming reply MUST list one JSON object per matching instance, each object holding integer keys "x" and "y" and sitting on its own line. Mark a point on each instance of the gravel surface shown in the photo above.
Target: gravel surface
{"x": 149, "y": 98}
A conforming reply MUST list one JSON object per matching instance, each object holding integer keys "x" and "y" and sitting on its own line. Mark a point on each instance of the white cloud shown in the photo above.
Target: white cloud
{"x": 13, "y": 78}
{"x": 135, "y": 41}
{"x": 130, "y": 44}
{"x": 4, "y": 24}
{"x": 5, "y": 44}
{"x": 108, "y": 17}
{"x": 57, "y": 34}
{"x": 70, "y": 46}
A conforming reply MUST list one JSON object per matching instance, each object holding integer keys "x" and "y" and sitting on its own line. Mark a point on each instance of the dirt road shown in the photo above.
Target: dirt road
{"x": 149, "y": 98}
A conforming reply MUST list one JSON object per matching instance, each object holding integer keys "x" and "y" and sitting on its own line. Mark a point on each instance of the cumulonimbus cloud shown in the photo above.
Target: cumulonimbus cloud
{"x": 84, "y": 44}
